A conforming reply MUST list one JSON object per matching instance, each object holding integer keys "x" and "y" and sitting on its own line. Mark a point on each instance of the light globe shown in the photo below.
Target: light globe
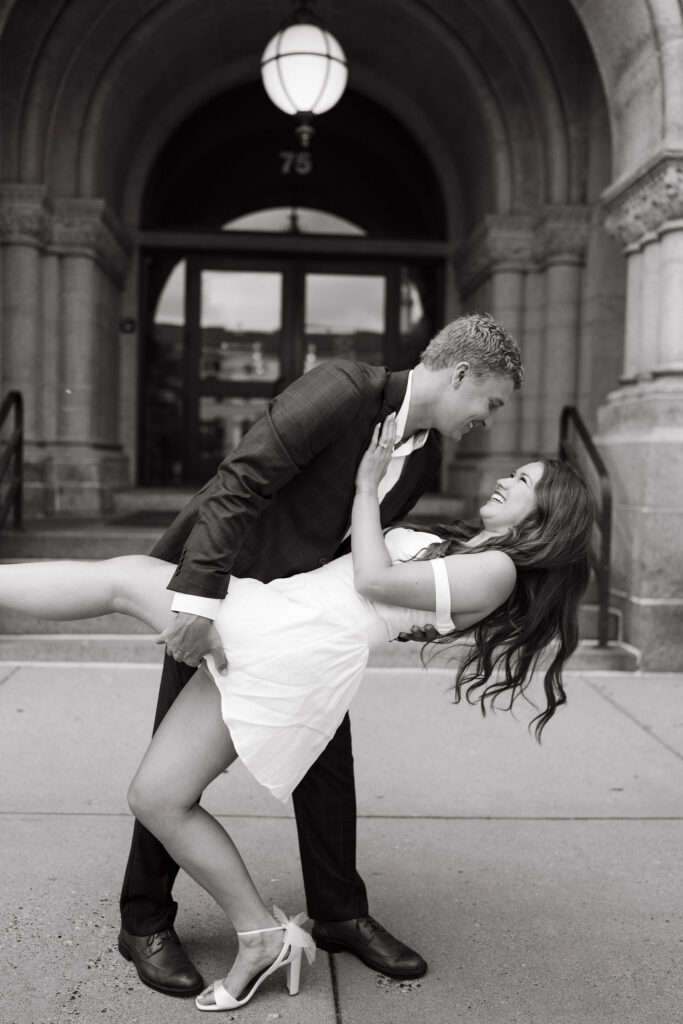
{"x": 303, "y": 69}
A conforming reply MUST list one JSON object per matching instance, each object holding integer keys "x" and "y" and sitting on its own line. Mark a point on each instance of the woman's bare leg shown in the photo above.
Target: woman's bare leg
{"x": 191, "y": 748}
{"x": 132, "y": 584}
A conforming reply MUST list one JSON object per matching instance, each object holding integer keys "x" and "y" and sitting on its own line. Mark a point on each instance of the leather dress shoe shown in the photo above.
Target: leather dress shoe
{"x": 161, "y": 962}
{"x": 372, "y": 944}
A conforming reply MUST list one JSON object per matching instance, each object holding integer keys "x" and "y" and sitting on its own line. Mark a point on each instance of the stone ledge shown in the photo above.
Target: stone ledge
{"x": 126, "y": 649}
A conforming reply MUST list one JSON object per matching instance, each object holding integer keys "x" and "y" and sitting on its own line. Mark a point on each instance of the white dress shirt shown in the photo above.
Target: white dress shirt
{"x": 208, "y": 606}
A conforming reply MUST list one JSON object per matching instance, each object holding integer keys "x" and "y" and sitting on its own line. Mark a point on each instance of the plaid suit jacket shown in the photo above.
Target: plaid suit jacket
{"x": 280, "y": 503}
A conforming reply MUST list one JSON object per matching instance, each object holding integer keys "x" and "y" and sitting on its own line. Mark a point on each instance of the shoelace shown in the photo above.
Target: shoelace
{"x": 376, "y": 926}
{"x": 156, "y": 941}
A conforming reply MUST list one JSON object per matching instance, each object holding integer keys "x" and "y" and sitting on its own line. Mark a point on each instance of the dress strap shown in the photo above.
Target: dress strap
{"x": 444, "y": 623}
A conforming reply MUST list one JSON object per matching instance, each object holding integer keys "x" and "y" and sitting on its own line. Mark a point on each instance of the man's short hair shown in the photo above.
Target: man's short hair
{"x": 479, "y": 340}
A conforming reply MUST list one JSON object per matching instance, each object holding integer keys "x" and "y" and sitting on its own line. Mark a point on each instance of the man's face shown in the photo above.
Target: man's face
{"x": 466, "y": 402}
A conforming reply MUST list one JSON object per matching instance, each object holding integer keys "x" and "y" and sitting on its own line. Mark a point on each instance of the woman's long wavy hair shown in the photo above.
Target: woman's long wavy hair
{"x": 550, "y": 550}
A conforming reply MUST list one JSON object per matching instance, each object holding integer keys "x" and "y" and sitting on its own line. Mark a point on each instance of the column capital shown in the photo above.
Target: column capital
{"x": 561, "y": 234}
{"x": 518, "y": 242}
{"x": 25, "y": 215}
{"x": 499, "y": 242}
{"x": 87, "y": 227}
{"x": 645, "y": 202}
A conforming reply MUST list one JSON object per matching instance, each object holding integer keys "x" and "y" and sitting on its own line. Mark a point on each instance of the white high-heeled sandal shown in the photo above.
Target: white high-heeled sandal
{"x": 295, "y": 942}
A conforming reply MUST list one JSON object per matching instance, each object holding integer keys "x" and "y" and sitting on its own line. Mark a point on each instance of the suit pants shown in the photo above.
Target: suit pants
{"x": 325, "y": 809}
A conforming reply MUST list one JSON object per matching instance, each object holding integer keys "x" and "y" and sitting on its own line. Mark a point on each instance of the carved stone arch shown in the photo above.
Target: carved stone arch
{"x": 519, "y": 76}
{"x": 175, "y": 112}
{"x": 73, "y": 90}
{"x": 424, "y": 123}
{"x": 640, "y": 66}
{"x": 21, "y": 61}
{"x": 77, "y": 97}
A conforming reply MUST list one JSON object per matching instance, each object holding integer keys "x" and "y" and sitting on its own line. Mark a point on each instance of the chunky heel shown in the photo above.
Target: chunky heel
{"x": 294, "y": 973}
{"x": 295, "y": 941}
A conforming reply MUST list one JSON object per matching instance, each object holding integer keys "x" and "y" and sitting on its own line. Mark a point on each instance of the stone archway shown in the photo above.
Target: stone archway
{"x": 529, "y": 115}
{"x": 477, "y": 93}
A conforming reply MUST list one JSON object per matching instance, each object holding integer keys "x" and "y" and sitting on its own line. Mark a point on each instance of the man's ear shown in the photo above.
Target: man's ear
{"x": 460, "y": 371}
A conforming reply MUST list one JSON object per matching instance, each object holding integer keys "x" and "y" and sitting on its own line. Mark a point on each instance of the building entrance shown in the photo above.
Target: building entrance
{"x": 258, "y": 262}
{"x": 224, "y": 334}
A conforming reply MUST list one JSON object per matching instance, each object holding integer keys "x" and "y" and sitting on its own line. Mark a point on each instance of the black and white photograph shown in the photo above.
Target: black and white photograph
{"x": 341, "y": 511}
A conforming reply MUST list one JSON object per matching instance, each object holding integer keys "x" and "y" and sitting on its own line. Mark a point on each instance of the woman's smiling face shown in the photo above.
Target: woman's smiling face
{"x": 513, "y": 499}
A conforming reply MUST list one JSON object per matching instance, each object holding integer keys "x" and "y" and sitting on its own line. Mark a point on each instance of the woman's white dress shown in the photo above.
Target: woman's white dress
{"x": 297, "y": 649}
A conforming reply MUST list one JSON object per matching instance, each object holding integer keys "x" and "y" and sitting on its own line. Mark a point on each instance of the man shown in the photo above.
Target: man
{"x": 280, "y": 504}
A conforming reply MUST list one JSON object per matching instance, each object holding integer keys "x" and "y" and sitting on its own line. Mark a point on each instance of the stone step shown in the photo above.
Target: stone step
{"x": 588, "y": 657}
{"x": 151, "y": 499}
{"x": 588, "y": 622}
{"x": 141, "y": 649}
{"x": 431, "y": 507}
{"x": 139, "y": 521}
{"x": 437, "y": 508}
{"x": 107, "y": 648}
{"x": 88, "y": 538}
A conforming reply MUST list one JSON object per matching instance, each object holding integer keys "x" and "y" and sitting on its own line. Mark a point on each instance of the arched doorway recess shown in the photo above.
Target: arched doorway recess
{"x": 229, "y": 317}
{"x": 536, "y": 119}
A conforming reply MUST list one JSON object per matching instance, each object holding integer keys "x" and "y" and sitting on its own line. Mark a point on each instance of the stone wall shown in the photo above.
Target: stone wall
{"x": 63, "y": 264}
{"x": 641, "y": 423}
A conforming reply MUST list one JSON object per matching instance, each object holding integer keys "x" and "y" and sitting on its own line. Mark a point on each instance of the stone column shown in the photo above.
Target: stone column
{"x": 561, "y": 234}
{"x": 62, "y": 268}
{"x": 641, "y": 423}
{"x": 491, "y": 268}
{"x": 526, "y": 271}
{"x": 87, "y": 460}
{"x": 532, "y": 342}
{"x": 25, "y": 224}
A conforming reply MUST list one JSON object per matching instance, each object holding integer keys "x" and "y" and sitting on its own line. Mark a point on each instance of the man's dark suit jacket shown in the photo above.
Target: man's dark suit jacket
{"x": 280, "y": 503}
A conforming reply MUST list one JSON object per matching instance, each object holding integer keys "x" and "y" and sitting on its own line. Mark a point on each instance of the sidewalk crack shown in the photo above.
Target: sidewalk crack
{"x": 12, "y": 672}
{"x": 644, "y": 728}
{"x": 335, "y": 989}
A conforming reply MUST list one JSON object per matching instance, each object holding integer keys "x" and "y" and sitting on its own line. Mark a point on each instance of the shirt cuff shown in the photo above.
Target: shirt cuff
{"x": 194, "y": 605}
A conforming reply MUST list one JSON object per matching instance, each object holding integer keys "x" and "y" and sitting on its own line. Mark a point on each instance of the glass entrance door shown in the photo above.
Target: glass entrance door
{"x": 344, "y": 317}
{"x": 235, "y": 359}
{"x": 225, "y": 336}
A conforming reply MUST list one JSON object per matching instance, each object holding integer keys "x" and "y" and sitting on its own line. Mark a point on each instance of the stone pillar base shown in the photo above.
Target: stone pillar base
{"x": 78, "y": 480}
{"x": 641, "y": 440}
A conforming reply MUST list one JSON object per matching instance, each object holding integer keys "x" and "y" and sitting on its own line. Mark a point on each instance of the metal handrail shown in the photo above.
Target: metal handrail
{"x": 12, "y": 460}
{"x": 600, "y": 559}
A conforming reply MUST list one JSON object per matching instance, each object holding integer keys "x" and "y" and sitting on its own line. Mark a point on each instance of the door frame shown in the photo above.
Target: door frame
{"x": 293, "y": 257}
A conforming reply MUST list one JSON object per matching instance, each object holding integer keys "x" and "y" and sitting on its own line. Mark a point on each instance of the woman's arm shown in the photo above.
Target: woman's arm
{"x": 479, "y": 582}
{"x": 368, "y": 550}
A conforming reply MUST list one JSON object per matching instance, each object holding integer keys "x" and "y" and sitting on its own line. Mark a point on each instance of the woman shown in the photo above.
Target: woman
{"x": 297, "y": 649}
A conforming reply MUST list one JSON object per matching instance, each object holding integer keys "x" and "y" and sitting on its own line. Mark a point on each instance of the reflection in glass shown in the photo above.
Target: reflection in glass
{"x": 344, "y": 318}
{"x": 164, "y": 398}
{"x": 223, "y": 422}
{"x": 414, "y": 326}
{"x": 240, "y": 320}
{"x": 294, "y": 220}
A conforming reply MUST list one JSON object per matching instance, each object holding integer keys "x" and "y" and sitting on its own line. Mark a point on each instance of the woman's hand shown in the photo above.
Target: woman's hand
{"x": 375, "y": 462}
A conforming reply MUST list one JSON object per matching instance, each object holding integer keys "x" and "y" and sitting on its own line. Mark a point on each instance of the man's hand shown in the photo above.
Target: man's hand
{"x": 422, "y": 634}
{"x": 188, "y": 638}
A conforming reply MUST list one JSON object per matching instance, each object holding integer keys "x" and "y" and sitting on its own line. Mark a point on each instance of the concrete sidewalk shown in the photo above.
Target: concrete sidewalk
{"x": 542, "y": 884}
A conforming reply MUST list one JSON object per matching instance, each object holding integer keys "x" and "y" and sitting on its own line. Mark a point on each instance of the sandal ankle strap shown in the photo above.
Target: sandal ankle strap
{"x": 257, "y": 931}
